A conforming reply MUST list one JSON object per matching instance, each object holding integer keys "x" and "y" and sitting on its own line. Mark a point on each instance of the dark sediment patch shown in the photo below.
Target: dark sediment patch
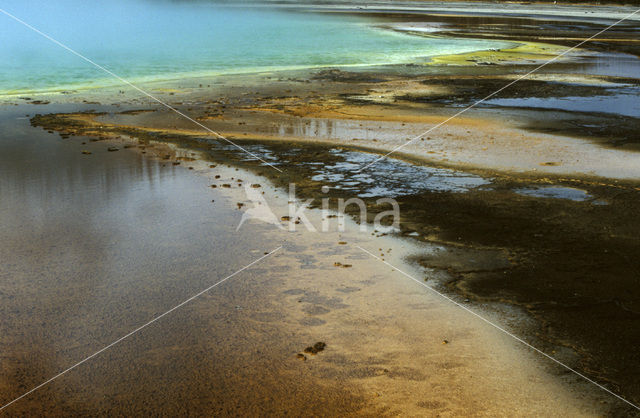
{"x": 341, "y": 76}
{"x": 466, "y": 90}
{"x": 316, "y": 348}
{"x": 608, "y": 130}
{"x": 135, "y": 111}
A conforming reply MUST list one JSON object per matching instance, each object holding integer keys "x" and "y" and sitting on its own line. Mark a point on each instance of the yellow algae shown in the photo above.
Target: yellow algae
{"x": 523, "y": 51}
{"x": 167, "y": 90}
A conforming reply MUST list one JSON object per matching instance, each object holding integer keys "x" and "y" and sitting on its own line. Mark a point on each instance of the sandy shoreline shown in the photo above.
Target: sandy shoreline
{"x": 476, "y": 140}
{"x": 385, "y": 334}
{"x": 463, "y": 405}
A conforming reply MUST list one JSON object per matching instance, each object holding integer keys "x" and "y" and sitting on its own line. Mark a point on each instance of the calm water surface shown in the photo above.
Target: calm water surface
{"x": 148, "y": 40}
{"x": 93, "y": 246}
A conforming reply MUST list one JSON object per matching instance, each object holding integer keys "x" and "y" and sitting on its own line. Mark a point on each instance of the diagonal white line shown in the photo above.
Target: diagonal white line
{"x": 496, "y": 92}
{"x": 138, "y": 329}
{"x": 499, "y": 328}
{"x": 135, "y": 87}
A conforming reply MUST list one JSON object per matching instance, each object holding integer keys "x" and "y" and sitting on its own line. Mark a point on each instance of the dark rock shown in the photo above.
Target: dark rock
{"x": 316, "y": 348}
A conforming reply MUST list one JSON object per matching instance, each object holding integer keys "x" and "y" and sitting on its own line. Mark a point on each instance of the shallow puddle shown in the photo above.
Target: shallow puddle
{"x": 391, "y": 178}
{"x": 388, "y": 177}
{"x": 624, "y": 102}
{"x": 556, "y": 192}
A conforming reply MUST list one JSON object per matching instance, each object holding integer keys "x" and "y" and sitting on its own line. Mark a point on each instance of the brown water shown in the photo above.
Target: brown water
{"x": 93, "y": 246}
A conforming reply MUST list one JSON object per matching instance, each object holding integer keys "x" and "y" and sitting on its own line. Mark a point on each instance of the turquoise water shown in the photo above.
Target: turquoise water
{"x": 146, "y": 40}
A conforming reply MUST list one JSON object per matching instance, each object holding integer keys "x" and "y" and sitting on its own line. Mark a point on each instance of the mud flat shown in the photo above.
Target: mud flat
{"x": 520, "y": 239}
{"x": 109, "y": 240}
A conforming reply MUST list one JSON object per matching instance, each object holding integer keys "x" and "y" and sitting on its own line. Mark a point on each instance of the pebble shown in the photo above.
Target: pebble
{"x": 316, "y": 348}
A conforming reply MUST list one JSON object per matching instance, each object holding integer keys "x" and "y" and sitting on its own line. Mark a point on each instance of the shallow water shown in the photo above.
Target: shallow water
{"x": 557, "y": 192}
{"x": 621, "y": 102}
{"x": 142, "y": 40}
{"x": 92, "y": 247}
{"x": 610, "y": 64}
{"x": 391, "y": 177}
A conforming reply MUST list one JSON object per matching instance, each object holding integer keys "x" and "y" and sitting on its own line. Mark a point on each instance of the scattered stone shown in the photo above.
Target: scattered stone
{"x": 301, "y": 357}
{"x": 445, "y": 341}
{"x": 316, "y": 348}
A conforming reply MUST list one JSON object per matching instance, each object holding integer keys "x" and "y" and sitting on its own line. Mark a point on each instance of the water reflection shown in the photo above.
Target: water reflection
{"x": 556, "y": 192}
{"x": 91, "y": 247}
{"x": 623, "y": 102}
{"x": 392, "y": 178}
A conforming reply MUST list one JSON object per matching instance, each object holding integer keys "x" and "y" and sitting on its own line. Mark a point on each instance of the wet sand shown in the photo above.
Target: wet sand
{"x": 537, "y": 265}
{"x": 141, "y": 235}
